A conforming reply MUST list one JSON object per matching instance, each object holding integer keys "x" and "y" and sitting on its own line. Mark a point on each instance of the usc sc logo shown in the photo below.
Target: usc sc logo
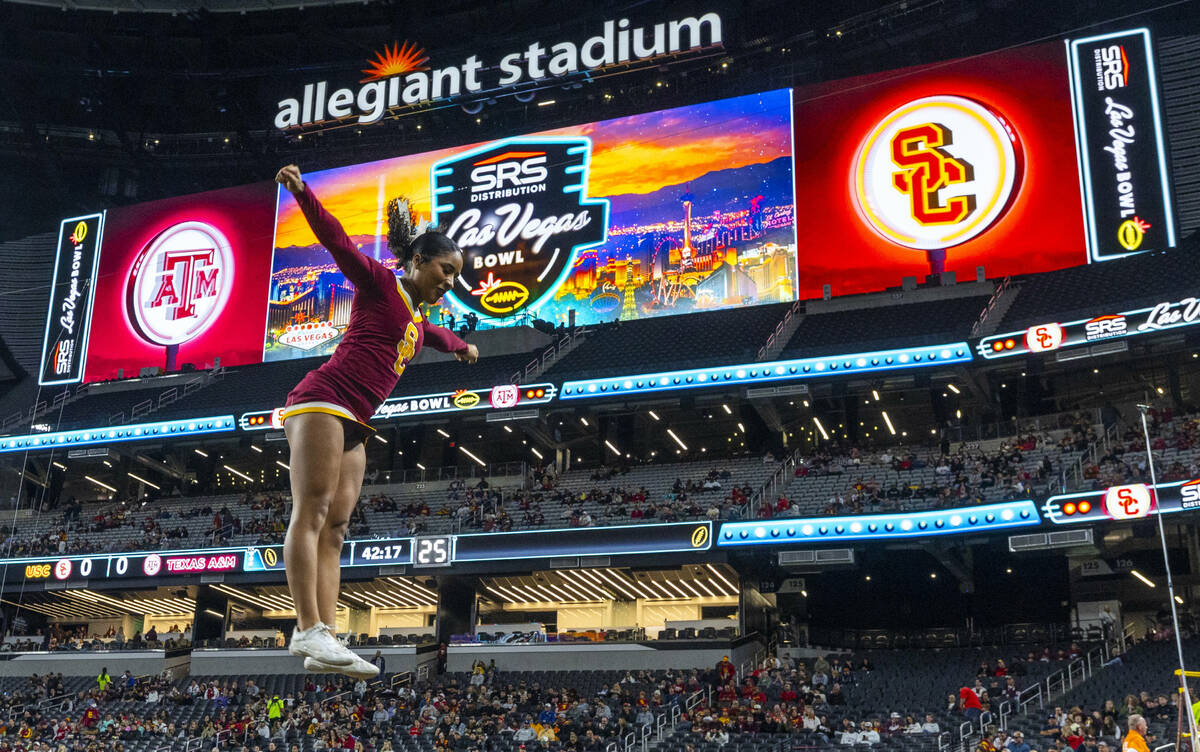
{"x": 936, "y": 172}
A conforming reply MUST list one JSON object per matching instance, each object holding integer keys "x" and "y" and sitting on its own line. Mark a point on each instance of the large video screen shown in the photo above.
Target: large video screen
{"x": 663, "y": 213}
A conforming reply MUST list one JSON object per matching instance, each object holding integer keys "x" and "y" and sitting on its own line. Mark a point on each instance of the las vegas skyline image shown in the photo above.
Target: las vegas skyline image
{"x": 701, "y": 217}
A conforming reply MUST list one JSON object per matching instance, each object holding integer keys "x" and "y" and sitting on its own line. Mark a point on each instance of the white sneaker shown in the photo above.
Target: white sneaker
{"x": 317, "y": 643}
{"x": 359, "y": 669}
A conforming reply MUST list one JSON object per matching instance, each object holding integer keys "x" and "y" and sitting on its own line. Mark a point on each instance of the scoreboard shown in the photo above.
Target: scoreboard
{"x": 422, "y": 551}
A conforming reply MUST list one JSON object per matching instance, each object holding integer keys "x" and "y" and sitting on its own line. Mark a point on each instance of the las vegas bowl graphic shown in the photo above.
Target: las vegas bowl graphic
{"x": 519, "y": 210}
{"x": 936, "y": 172}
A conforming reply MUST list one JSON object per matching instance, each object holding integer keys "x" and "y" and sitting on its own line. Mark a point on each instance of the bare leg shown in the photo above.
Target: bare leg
{"x": 333, "y": 532}
{"x": 317, "y": 442}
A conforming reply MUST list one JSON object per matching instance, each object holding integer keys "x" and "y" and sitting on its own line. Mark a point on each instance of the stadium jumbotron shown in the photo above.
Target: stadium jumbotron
{"x": 557, "y": 378}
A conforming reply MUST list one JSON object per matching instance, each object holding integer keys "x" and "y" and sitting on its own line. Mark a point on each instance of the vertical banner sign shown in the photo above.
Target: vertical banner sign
{"x": 1118, "y": 126}
{"x": 64, "y": 348}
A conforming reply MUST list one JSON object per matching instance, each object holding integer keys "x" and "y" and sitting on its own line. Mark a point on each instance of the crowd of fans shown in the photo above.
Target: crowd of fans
{"x": 964, "y": 477}
{"x": 1125, "y": 459}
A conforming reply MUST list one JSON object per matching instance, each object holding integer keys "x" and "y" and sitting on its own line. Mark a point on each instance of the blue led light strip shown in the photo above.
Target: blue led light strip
{"x": 114, "y": 434}
{"x": 987, "y": 517}
{"x": 777, "y": 370}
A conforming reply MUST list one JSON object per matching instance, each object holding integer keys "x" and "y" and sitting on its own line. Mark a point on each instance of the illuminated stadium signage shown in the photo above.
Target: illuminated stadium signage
{"x": 937, "y": 172}
{"x": 64, "y": 346}
{"x": 499, "y": 397}
{"x": 129, "y": 565}
{"x": 115, "y": 434}
{"x": 1119, "y": 130}
{"x": 520, "y": 212}
{"x": 1127, "y": 502}
{"x": 778, "y": 370}
{"x": 399, "y": 76}
{"x": 1047, "y": 337}
{"x": 984, "y": 518}
{"x": 180, "y": 282}
{"x": 419, "y": 551}
{"x": 445, "y": 550}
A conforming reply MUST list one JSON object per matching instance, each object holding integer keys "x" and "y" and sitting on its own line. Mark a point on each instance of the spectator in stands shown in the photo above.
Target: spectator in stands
{"x": 930, "y": 726}
{"x": 1017, "y": 743}
{"x": 103, "y": 680}
{"x": 1135, "y": 740}
{"x": 969, "y": 704}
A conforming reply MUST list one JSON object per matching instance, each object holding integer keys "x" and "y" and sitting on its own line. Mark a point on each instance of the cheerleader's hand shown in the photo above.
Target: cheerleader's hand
{"x": 470, "y": 355}
{"x": 289, "y": 177}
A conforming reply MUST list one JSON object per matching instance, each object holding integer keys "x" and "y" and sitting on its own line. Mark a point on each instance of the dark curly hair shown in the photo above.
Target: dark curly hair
{"x": 403, "y": 240}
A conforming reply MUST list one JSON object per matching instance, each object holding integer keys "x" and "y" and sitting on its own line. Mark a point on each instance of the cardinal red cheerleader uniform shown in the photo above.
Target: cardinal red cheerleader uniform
{"x": 386, "y": 331}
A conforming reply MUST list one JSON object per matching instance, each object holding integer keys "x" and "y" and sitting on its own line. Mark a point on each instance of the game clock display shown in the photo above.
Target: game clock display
{"x": 432, "y": 551}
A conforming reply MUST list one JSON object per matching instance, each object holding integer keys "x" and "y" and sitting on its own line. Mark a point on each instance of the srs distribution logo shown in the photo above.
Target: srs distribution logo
{"x": 937, "y": 172}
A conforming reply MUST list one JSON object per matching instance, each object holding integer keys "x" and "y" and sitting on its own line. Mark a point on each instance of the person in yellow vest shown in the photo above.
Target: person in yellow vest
{"x": 275, "y": 708}
{"x": 1135, "y": 740}
{"x": 103, "y": 680}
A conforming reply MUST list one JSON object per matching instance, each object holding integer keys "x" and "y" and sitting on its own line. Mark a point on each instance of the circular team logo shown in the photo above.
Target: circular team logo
{"x": 936, "y": 172}
{"x": 699, "y": 536}
{"x": 62, "y": 569}
{"x": 1043, "y": 337}
{"x": 152, "y": 565}
{"x": 179, "y": 283}
{"x": 1128, "y": 502}
{"x": 504, "y": 396}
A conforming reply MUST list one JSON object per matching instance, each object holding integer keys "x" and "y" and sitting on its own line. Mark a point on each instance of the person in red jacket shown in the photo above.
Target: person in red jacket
{"x": 327, "y": 416}
{"x": 968, "y": 702}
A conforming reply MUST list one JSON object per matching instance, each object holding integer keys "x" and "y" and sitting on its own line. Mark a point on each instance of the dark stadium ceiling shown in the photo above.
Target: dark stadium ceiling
{"x": 182, "y": 6}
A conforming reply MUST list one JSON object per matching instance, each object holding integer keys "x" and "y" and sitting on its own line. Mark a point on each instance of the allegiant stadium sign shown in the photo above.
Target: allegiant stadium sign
{"x": 399, "y": 77}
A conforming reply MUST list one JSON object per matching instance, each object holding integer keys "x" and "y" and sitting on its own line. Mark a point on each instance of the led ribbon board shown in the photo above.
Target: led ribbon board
{"x": 1127, "y": 502}
{"x": 127, "y": 565}
{"x": 115, "y": 434}
{"x": 615, "y": 540}
{"x": 500, "y": 397}
{"x": 778, "y": 370}
{"x": 1119, "y": 134}
{"x": 1047, "y": 337}
{"x": 984, "y": 518}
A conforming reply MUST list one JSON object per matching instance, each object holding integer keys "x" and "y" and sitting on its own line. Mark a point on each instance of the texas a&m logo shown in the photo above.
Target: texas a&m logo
{"x": 936, "y": 172}
{"x": 519, "y": 210}
{"x": 179, "y": 283}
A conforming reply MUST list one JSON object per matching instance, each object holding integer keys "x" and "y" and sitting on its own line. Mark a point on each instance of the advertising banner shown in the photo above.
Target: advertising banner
{"x": 1121, "y": 150}
{"x": 64, "y": 346}
{"x": 943, "y": 167}
{"x": 182, "y": 281}
{"x": 668, "y": 212}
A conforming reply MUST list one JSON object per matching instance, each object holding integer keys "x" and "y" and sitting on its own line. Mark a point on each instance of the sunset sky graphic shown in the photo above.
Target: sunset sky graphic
{"x": 631, "y": 155}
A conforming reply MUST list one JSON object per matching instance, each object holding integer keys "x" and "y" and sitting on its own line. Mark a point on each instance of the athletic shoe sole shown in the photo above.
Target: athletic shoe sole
{"x": 353, "y": 670}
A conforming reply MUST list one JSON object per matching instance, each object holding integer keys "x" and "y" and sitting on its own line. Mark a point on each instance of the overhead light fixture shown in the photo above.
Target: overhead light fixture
{"x": 100, "y": 483}
{"x": 653, "y": 414}
{"x": 741, "y": 427}
{"x": 583, "y": 420}
{"x": 888, "y": 421}
{"x": 677, "y": 439}
{"x": 467, "y": 452}
{"x": 59, "y": 465}
{"x": 215, "y": 614}
{"x": 508, "y": 429}
{"x": 536, "y": 453}
{"x": 609, "y": 444}
{"x": 953, "y": 388}
{"x": 256, "y": 448}
{"x": 545, "y": 103}
{"x": 821, "y": 428}
{"x": 420, "y": 466}
{"x": 443, "y": 433}
{"x": 726, "y": 409}
{"x": 1142, "y": 577}
{"x": 1179, "y": 600}
{"x": 875, "y": 394}
{"x": 284, "y": 465}
{"x": 145, "y": 482}
{"x": 380, "y": 438}
{"x": 200, "y": 452}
